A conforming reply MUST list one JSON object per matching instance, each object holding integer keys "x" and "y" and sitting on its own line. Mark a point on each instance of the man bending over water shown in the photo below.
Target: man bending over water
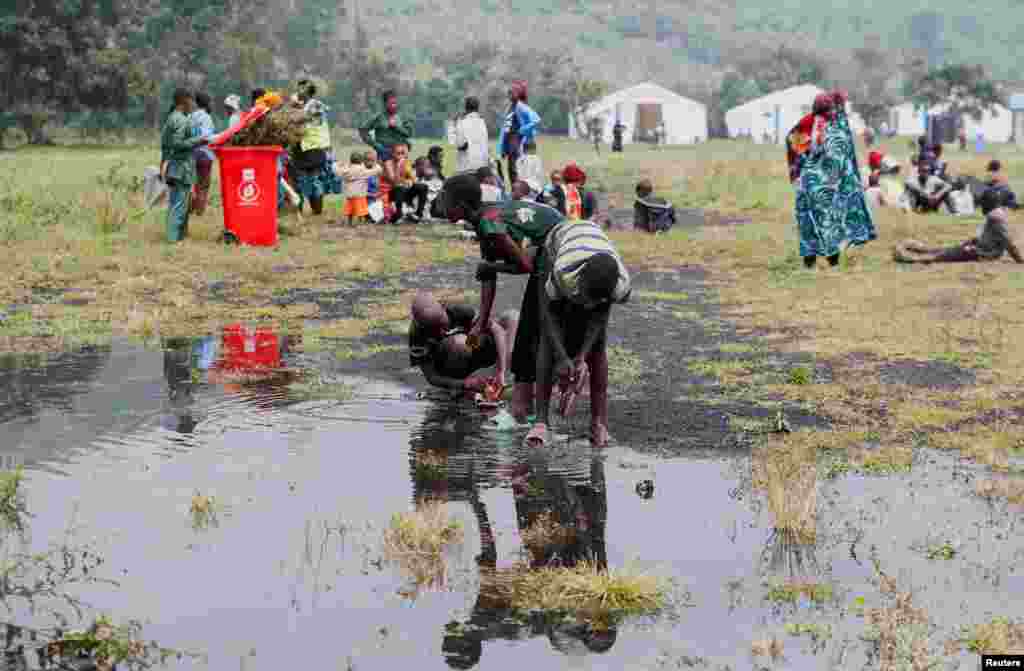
{"x": 439, "y": 344}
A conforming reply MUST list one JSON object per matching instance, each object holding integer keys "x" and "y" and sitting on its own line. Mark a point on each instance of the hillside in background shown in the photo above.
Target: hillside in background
{"x": 688, "y": 42}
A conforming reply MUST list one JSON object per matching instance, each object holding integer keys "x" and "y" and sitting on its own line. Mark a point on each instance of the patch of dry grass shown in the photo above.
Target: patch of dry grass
{"x": 787, "y": 473}
{"x": 1011, "y": 489}
{"x": 988, "y": 445}
{"x": 1000, "y": 636}
{"x": 767, "y": 647}
{"x": 416, "y": 542}
{"x": 546, "y": 531}
{"x": 583, "y": 591}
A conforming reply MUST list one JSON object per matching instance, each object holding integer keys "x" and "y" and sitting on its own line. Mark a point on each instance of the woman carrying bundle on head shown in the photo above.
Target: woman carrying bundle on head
{"x": 312, "y": 163}
{"x": 831, "y": 212}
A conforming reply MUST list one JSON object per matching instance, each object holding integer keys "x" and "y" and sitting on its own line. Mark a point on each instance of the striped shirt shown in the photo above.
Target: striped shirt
{"x": 569, "y": 246}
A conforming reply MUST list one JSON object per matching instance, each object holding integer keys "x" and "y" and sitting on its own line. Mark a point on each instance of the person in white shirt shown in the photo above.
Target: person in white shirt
{"x": 469, "y": 137}
{"x": 531, "y": 170}
{"x": 234, "y": 105}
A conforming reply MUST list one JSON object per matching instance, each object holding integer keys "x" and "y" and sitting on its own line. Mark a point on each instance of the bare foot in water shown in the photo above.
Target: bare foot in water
{"x": 599, "y": 435}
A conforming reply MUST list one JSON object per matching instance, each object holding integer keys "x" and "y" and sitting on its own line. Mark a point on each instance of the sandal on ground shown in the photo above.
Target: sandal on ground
{"x": 537, "y": 437}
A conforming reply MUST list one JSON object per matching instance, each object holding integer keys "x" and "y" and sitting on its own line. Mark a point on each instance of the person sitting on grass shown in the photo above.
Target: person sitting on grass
{"x": 357, "y": 177}
{"x": 584, "y": 275}
{"x": 426, "y": 175}
{"x": 651, "y": 213}
{"x": 993, "y": 239}
{"x": 491, "y": 190}
{"x": 439, "y": 344}
{"x": 997, "y": 181}
{"x": 436, "y": 157}
{"x": 553, "y": 192}
{"x": 406, "y": 191}
{"x": 927, "y": 192}
{"x": 504, "y": 229}
{"x": 178, "y": 164}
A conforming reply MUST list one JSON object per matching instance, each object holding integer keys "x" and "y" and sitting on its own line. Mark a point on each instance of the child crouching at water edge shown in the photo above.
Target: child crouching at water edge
{"x": 357, "y": 176}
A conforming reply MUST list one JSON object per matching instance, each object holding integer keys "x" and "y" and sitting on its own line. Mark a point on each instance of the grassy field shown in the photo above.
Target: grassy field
{"x": 92, "y": 262}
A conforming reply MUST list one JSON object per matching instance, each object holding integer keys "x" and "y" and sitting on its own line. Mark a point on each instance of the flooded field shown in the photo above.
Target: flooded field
{"x": 239, "y": 488}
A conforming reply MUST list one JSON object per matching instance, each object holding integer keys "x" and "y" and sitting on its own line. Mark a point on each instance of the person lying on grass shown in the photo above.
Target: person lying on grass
{"x": 439, "y": 346}
{"x": 504, "y": 230}
{"x": 584, "y": 276}
{"x": 993, "y": 239}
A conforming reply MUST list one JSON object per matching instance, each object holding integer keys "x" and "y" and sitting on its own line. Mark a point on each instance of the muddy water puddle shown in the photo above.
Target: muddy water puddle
{"x": 303, "y": 466}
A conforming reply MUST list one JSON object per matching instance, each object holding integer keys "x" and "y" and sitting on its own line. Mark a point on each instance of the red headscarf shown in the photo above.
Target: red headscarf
{"x": 812, "y": 127}
{"x": 573, "y": 174}
{"x": 519, "y": 89}
{"x": 875, "y": 160}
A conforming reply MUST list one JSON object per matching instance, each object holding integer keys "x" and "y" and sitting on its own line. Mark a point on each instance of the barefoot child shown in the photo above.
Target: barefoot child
{"x": 357, "y": 176}
{"x": 584, "y": 276}
{"x": 504, "y": 230}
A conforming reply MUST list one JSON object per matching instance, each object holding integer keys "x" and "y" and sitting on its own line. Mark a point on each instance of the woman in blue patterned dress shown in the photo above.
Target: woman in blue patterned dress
{"x": 831, "y": 212}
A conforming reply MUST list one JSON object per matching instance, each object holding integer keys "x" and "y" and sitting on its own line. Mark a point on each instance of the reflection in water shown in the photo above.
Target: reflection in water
{"x": 27, "y": 383}
{"x": 560, "y": 513}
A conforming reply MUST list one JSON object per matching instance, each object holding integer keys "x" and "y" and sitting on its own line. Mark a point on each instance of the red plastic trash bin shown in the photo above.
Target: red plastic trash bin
{"x": 248, "y": 187}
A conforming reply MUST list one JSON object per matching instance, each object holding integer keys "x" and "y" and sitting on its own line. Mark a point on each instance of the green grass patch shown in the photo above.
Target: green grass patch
{"x": 625, "y": 367}
{"x": 662, "y": 296}
{"x": 792, "y": 591}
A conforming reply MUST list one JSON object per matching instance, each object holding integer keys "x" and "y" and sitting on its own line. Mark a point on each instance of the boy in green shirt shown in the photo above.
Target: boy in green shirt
{"x": 178, "y": 165}
{"x": 505, "y": 230}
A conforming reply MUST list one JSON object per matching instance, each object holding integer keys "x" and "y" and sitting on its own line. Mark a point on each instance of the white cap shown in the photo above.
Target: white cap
{"x": 233, "y": 101}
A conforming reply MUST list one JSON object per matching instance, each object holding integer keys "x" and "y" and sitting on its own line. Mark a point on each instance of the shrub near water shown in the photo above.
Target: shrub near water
{"x": 416, "y": 542}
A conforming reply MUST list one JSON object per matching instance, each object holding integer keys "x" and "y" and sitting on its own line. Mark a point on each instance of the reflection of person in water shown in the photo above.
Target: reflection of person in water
{"x": 579, "y": 511}
{"x": 178, "y": 364}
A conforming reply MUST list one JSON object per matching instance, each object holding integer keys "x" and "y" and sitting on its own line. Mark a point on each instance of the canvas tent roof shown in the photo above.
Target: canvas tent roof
{"x": 685, "y": 120}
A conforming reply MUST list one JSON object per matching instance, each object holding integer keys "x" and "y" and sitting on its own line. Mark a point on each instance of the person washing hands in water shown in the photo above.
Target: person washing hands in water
{"x": 439, "y": 344}
{"x": 504, "y": 230}
{"x": 584, "y": 276}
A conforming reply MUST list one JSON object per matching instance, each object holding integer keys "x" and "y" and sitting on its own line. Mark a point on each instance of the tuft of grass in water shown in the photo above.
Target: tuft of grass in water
{"x": 430, "y": 466}
{"x": 13, "y": 510}
{"x": 817, "y": 632}
{"x": 790, "y": 591}
{"x": 944, "y": 550}
{"x": 801, "y": 375}
{"x": 767, "y": 647}
{"x": 787, "y": 473}
{"x": 1000, "y": 636}
{"x": 317, "y": 386}
{"x": 544, "y": 532}
{"x": 736, "y": 348}
{"x": 1011, "y": 489}
{"x": 624, "y": 366}
{"x": 204, "y": 511}
{"x": 587, "y": 592}
{"x": 425, "y": 531}
{"x": 416, "y": 542}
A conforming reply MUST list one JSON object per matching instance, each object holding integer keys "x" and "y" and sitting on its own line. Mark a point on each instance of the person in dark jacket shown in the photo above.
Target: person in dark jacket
{"x": 651, "y": 213}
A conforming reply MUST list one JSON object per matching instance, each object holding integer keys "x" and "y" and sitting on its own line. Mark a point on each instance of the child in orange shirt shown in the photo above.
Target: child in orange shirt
{"x": 406, "y": 190}
{"x": 357, "y": 178}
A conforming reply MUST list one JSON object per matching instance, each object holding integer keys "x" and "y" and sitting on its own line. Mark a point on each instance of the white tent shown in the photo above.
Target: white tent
{"x": 996, "y": 126}
{"x": 772, "y": 116}
{"x": 642, "y": 108}
{"x": 907, "y": 119}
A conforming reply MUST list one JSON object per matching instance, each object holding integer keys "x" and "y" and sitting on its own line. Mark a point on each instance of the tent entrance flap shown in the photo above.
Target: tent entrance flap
{"x": 648, "y": 118}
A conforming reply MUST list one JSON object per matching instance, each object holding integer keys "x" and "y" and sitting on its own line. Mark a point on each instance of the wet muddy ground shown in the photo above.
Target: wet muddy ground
{"x": 308, "y": 464}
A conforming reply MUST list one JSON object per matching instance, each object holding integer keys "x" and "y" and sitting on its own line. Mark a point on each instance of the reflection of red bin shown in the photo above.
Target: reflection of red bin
{"x": 245, "y": 349}
{"x": 248, "y": 187}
